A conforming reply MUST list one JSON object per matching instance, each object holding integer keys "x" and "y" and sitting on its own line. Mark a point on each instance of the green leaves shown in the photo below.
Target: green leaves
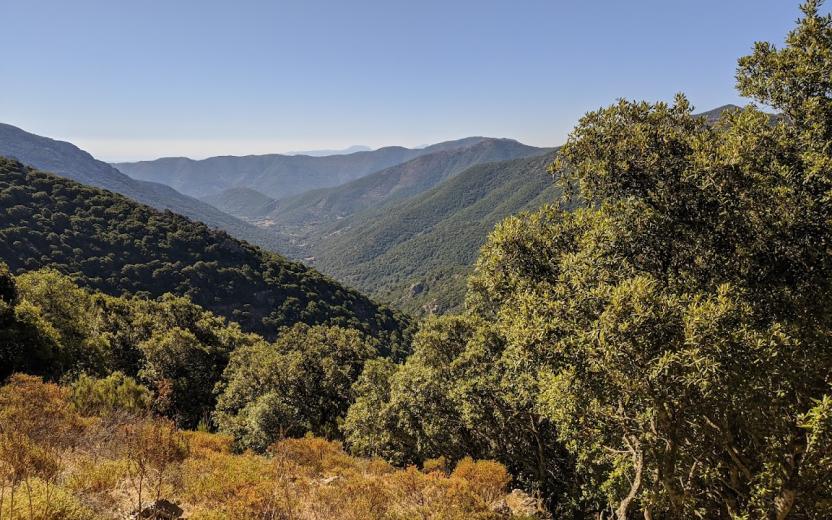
{"x": 301, "y": 383}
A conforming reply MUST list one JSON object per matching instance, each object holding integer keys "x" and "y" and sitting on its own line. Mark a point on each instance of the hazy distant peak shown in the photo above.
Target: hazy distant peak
{"x": 280, "y": 176}
{"x": 324, "y": 153}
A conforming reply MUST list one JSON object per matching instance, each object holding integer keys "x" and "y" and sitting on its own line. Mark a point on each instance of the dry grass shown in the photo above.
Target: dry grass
{"x": 298, "y": 479}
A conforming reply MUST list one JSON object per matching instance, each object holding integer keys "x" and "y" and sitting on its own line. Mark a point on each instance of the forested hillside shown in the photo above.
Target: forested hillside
{"x": 275, "y": 175}
{"x": 136, "y": 372}
{"x": 650, "y": 337}
{"x": 111, "y": 243}
{"x": 418, "y": 253}
{"x": 67, "y": 160}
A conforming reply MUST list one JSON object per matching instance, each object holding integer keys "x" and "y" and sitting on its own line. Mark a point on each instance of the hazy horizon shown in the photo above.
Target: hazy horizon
{"x": 200, "y": 79}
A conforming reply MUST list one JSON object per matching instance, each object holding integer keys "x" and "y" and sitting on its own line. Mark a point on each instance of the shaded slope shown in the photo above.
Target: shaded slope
{"x": 115, "y": 245}
{"x": 241, "y": 202}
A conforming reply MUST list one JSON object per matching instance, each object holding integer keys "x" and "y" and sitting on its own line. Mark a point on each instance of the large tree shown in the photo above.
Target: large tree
{"x": 680, "y": 322}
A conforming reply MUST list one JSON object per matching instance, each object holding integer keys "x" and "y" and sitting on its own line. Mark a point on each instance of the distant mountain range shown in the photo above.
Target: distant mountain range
{"x": 277, "y": 176}
{"x": 67, "y": 160}
{"x": 399, "y": 182}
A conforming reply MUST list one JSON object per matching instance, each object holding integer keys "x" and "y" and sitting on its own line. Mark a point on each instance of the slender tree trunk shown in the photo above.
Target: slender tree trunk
{"x": 29, "y": 497}
{"x": 541, "y": 459}
{"x": 784, "y": 503}
{"x": 11, "y": 501}
{"x": 48, "y": 503}
{"x": 635, "y": 487}
{"x": 140, "y": 492}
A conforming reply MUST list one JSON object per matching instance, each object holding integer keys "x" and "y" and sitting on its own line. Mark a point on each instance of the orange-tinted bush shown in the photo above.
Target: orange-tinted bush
{"x": 202, "y": 443}
{"x": 485, "y": 478}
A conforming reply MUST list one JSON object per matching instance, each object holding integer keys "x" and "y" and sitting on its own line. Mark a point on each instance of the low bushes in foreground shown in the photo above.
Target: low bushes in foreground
{"x": 57, "y": 463}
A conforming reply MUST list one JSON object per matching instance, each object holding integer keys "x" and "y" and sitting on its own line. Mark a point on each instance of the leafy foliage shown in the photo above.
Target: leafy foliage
{"x": 175, "y": 348}
{"x": 457, "y": 395}
{"x": 112, "y": 394}
{"x": 299, "y": 384}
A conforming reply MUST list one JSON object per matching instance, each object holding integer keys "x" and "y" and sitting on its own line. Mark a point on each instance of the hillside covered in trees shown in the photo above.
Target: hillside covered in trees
{"x": 113, "y": 244}
{"x": 138, "y": 371}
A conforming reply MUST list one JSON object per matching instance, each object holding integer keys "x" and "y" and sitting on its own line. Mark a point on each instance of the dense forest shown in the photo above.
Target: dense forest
{"x": 110, "y": 243}
{"x": 656, "y": 342}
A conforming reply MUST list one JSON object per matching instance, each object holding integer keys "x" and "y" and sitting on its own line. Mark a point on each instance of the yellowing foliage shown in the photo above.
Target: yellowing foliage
{"x": 111, "y": 463}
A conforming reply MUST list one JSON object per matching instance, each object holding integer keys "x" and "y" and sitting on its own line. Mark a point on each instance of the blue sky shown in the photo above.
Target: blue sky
{"x": 144, "y": 79}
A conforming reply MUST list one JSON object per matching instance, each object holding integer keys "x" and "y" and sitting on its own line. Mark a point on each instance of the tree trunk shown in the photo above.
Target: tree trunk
{"x": 784, "y": 502}
{"x": 140, "y": 492}
{"x": 635, "y": 487}
{"x": 29, "y": 497}
{"x": 11, "y": 501}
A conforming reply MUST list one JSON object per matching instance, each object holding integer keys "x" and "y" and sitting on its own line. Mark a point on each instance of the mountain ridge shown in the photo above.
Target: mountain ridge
{"x": 275, "y": 175}
{"x": 68, "y": 160}
{"x": 397, "y": 182}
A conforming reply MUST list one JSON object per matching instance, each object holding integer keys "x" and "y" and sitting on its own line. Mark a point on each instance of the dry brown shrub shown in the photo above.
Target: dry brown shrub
{"x": 485, "y": 478}
{"x": 316, "y": 455}
{"x": 154, "y": 448}
{"x": 203, "y": 443}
